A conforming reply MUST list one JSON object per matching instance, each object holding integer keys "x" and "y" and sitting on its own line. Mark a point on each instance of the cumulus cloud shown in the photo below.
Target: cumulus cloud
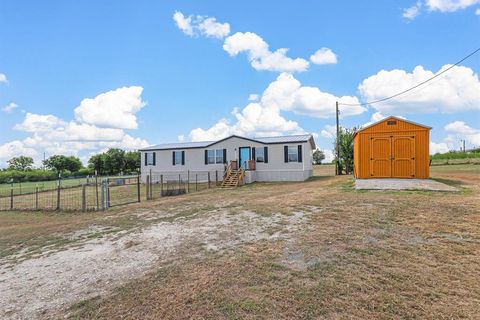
{"x": 461, "y": 130}
{"x": 113, "y": 109}
{"x": 455, "y": 91}
{"x": 264, "y": 118}
{"x": 441, "y": 147}
{"x": 259, "y": 54}
{"x": 9, "y": 107}
{"x": 252, "y": 97}
{"x": 450, "y": 5}
{"x": 477, "y": 12}
{"x": 201, "y": 25}
{"x": 412, "y": 12}
{"x": 3, "y": 78}
{"x": 329, "y": 131}
{"x": 378, "y": 116}
{"x": 52, "y": 135}
{"x": 324, "y": 56}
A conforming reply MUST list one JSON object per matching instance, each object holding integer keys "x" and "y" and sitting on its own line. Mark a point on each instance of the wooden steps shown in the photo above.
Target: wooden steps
{"x": 233, "y": 179}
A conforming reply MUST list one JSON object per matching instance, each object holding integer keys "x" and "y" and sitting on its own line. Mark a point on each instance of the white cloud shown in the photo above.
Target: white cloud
{"x": 263, "y": 118}
{"x": 477, "y": 12}
{"x": 14, "y": 149}
{"x": 9, "y": 107}
{"x": 461, "y": 130}
{"x": 211, "y": 28}
{"x": 441, "y": 147}
{"x": 183, "y": 23}
{"x": 413, "y": 11}
{"x": 455, "y": 91}
{"x": 329, "y": 132}
{"x": 324, "y": 56}
{"x": 378, "y": 116}
{"x": 39, "y": 123}
{"x": 329, "y": 156}
{"x": 113, "y": 109}
{"x": 259, "y": 54}
{"x": 201, "y": 25}
{"x": 3, "y": 78}
{"x": 449, "y": 5}
{"x": 253, "y": 97}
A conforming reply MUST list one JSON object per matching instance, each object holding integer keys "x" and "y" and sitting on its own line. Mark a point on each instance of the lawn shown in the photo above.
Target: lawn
{"x": 308, "y": 250}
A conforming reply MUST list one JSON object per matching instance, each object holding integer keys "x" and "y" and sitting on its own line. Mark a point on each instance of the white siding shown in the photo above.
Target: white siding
{"x": 275, "y": 170}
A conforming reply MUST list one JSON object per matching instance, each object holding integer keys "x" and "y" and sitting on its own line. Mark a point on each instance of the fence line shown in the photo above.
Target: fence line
{"x": 104, "y": 193}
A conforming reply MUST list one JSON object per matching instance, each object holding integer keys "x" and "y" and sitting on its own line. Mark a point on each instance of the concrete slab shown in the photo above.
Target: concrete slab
{"x": 402, "y": 184}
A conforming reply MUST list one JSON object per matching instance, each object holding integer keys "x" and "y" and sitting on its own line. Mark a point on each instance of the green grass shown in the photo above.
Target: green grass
{"x": 28, "y": 187}
{"x": 456, "y": 168}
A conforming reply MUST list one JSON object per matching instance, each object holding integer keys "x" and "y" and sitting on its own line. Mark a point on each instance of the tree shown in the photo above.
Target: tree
{"x": 97, "y": 162}
{"x": 61, "y": 163}
{"x": 345, "y": 140}
{"x": 132, "y": 161}
{"x": 114, "y": 161}
{"x": 20, "y": 163}
{"x": 318, "y": 156}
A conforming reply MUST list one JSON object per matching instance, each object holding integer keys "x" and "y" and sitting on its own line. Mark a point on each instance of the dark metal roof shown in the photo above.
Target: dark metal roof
{"x": 205, "y": 144}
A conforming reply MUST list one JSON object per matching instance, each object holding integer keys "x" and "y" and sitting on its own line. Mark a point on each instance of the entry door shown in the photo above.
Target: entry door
{"x": 380, "y": 157}
{"x": 392, "y": 157}
{"x": 403, "y": 157}
{"x": 244, "y": 156}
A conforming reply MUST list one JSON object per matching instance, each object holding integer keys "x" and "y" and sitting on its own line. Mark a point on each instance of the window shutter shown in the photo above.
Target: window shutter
{"x": 265, "y": 154}
{"x": 173, "y": 157}
{"x": 224, "y": 155}
{"x": 183, "y": 158}
{"x": 285, "y": 153}
{"x": 146, "y": 158}
{"x": 154, "y": 158}
{"x": 254, "y": 158}
{"x": 300, "y": 153}
{"x": 206, "y": 156}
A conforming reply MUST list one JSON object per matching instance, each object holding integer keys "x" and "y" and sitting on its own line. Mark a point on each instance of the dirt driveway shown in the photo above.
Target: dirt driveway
{"x": 313, "y": 249}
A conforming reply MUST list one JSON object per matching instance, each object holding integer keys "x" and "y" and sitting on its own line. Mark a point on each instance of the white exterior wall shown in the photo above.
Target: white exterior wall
{"x": 275, "y": 170}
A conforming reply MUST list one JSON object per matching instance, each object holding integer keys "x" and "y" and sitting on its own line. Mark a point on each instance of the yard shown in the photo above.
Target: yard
{"x": 316, "y": 249}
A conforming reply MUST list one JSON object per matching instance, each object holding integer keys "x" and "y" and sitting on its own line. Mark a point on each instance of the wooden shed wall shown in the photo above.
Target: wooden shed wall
{"x": 362, "y": 152}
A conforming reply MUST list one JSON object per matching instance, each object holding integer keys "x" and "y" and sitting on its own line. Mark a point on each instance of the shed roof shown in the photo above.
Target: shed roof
{"x": 389, "y": 118}
{"x": 263, "y": 140}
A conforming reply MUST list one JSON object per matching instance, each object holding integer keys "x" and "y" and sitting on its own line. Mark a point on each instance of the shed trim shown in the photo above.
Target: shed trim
{"x": 392, "y": 117}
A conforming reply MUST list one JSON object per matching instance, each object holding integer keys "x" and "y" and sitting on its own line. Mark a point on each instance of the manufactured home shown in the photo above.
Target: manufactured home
{"x": 281, "y": 158}
{"x": 392, "y": 148}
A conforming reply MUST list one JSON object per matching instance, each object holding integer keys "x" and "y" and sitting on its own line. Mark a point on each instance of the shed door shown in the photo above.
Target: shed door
{"x": 403, "y": 157}
{"x": 380, "y": 157}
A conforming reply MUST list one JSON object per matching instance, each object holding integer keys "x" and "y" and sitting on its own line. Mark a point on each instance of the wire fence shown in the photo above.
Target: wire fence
{"x": 103, "y": 193}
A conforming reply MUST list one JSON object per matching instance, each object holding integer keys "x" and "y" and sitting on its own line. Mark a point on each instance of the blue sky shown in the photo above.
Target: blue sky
{"x": 77, "y": 77}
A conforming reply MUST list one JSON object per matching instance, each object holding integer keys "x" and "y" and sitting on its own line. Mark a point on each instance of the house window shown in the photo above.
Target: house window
{"x": 260, "y": 154}
{"x": 292, "y": 154}
{"x": 215, "y": 156}
{"x": 178, "y": 158}
{"x": 149, "y": 158}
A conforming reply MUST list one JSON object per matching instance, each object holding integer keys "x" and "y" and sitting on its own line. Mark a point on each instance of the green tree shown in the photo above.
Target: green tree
{"x": 114, "y": 161}
{"x": 97, "y": 162}
{"x": 318, "y": 156}
{"x": 20, "y": 163}
{"x": 61, "y": 163}
{"x": 345, "y": 141}
{"x": 132, "y": 161}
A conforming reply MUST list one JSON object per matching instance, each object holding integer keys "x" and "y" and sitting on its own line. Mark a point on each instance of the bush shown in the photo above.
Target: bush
{"x": 456, "y": 155}
{"x": 7, "y": 176}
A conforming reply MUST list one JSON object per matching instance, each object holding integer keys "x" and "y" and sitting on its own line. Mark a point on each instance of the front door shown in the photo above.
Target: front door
{"x": 392, "y": 157}
{"x": 244, "y": 156}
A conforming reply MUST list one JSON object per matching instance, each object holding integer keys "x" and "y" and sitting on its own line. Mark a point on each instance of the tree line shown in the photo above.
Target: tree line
{"x": 113, "y": 161}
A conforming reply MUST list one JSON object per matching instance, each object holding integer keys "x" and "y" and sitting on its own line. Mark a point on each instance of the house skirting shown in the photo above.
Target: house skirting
{"x": 280, "y": 175}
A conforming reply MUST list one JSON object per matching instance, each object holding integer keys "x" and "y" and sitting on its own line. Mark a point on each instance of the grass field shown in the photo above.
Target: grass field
{"x": 317, "y": 249}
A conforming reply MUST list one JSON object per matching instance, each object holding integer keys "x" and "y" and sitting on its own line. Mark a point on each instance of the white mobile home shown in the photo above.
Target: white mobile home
{"x": 283, "y": 158}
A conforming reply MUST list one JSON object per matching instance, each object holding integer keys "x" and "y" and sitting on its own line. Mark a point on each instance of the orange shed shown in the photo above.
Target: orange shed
{"x": 392, "y": 148}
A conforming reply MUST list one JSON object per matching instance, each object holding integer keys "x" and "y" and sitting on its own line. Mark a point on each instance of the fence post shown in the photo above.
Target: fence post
{"x": 196, "y": 181}
{"x": 216, "y": 178}
{"x": 84, "y": 198}
{"x": 36, "y": 197}
{"x": 96, "y": 190}
{"x": 148, "y": 186}
{"x": 58, "y": 195}
{"x": 208, "y": 179}
{"x": 11, "y": 199}
{"x": 107, "y": 188}
{"x": 188, "y": 181}
{"x": 103, "y": 195}
{"x": 138, "y": 187}
{"x": 161, "y": 184}
{"x": 179, "y": 183}
{"x": 151, "y": 186}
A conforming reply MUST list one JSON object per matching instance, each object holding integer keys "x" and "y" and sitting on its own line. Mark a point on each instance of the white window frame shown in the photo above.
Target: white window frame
{"x": 215, "y": 156}
{"x": 292, "y": 153}
{"x": 178, "y": 158}
{"x": 260, "y": 158}
{"x": 150, "y": 159}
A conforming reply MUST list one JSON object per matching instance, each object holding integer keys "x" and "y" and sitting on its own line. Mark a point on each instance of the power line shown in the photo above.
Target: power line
{"x": 414, "y": 87}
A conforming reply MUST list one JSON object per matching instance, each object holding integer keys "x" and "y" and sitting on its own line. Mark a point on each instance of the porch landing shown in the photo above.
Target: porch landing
{"x": 402, "y": 184}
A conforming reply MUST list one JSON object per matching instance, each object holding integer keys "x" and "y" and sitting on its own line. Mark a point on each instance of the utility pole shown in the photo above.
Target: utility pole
{"x": 463, "y": 145}
{"x": 337, "y": 167}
